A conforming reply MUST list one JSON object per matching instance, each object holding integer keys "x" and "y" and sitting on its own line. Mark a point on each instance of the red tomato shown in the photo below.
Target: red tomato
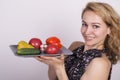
{"x": 52, "y": 49}
{"x": 58, "y": 45}
{"x": 35, "y": 42}
{"x": 52, "y": 39}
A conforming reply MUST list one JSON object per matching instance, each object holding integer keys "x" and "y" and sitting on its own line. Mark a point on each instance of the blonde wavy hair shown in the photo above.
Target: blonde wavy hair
{"x": 112, "y": 20}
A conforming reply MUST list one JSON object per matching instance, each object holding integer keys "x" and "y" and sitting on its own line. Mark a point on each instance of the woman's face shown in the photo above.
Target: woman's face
{"x": 93, "y": 29}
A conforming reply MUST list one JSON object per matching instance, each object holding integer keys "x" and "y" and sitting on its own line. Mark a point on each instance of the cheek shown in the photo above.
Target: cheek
{"x": 83, "y": 29}
{"x": 101, "y": 35}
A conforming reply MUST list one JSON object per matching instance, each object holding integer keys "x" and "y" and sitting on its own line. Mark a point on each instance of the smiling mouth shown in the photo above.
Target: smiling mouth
{"x": 89, "y": 38}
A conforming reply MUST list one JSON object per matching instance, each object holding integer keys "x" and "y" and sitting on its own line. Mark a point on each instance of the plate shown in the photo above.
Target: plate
{"x": 63, "y": 50}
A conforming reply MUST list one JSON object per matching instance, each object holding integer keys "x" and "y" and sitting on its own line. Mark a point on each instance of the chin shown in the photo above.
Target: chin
{"x": 89, "y": 43}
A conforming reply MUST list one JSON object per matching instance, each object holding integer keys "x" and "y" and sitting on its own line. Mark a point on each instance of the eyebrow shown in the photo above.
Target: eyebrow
{"x": 92, "y": 23}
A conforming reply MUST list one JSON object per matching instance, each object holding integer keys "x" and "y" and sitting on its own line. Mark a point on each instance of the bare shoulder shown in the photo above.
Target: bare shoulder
{"x": 98, "y": 69}
{"x": 100, "y": 62}
{"x": 75, "y": 44}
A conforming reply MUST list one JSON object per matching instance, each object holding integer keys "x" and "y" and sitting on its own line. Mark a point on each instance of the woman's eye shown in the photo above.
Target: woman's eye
{"x": 84, "y": 25}
{"x": 96, "y": 26}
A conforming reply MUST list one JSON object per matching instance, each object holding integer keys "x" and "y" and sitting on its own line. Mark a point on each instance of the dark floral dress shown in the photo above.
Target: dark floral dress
{"x": 76, "y": 63}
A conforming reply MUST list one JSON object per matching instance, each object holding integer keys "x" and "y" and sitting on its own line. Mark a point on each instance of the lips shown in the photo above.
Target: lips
{"x": 89, "y": 38}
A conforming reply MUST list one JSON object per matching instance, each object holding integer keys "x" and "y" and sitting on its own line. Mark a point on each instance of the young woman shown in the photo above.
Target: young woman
{"x": 93, "y": 60}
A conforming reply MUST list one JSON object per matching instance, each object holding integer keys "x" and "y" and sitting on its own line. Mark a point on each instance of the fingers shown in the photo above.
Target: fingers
{"x": 50, "y": 60}
{"x": 38, "y": 58}
{"x": 42, "y": 59}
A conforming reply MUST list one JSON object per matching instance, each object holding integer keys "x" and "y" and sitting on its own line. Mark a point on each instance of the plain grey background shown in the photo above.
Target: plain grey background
{"x": 24, "y": 19}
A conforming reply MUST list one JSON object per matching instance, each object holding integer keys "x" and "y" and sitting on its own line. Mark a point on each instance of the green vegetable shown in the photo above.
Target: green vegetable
{"x": 28, "y": 51}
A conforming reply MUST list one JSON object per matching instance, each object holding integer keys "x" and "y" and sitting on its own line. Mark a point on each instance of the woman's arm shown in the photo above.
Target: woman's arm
{"x": 61, "y": 73}
{"x": 58, "y": 73}
{"x": 51, "y": 73}
{"x": 56, "y": 67}
{"x": 98, "y": 69}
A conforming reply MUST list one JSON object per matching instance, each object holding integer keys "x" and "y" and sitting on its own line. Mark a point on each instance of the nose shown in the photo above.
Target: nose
{"x": 89, "y": 30}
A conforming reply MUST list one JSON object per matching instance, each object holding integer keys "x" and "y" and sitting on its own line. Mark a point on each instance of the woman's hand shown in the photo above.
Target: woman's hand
{"x": 54, "y": 62}
{"x": 56, "y": 65}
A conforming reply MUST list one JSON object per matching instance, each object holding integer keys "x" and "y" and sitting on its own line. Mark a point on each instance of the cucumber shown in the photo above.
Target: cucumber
{"x": 28, "y": 51}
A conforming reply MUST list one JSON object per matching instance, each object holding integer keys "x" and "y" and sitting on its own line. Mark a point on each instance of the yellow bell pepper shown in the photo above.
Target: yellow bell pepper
{"x": 23, "y": 44}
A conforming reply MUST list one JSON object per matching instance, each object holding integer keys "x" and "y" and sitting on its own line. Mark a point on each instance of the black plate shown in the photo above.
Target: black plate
{"x": 63, "y": 50}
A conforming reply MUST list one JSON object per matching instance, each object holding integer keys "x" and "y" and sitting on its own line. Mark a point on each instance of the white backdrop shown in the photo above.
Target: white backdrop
{"x": 24, "y": 19}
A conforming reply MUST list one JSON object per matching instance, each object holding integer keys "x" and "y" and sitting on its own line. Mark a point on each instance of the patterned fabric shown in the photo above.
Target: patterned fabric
{"x": 76, "y": 63}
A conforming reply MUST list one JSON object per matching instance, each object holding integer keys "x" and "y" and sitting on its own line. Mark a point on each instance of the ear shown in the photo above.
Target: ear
{"x": 108, "y": 31}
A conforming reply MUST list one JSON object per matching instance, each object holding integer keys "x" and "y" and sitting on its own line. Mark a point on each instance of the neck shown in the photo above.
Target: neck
{"x": 99, "y": 47}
